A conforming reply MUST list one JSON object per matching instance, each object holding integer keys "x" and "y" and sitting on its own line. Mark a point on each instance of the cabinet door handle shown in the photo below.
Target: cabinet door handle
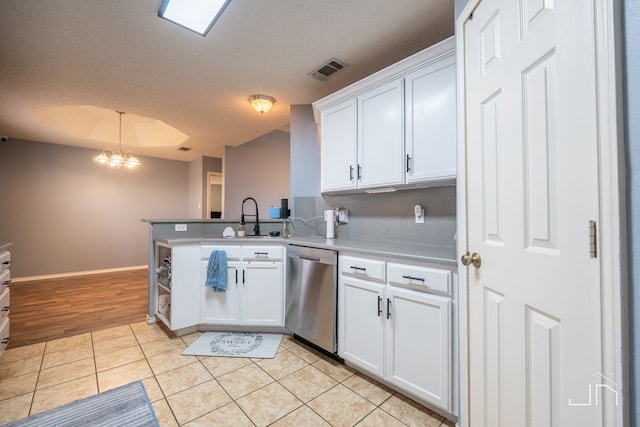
{"x": 359, "y": 172}
{"x": 414, "y": 278}
{"x": 6, "y": 263}
{"x": 379, "y": 306}
{"x": 388, "y": 308}
{"x": 243, "y": 276}
{"x": 408, "y": 163}
{"x": 5, "y": 308}
{"x": 350, "y": 172}
{"x": 6, "y": 340}
{"x": 236, "y": 276}
{"x": 261, "y": 254}
{"x": 358, "y": 268}
{"x": 6, "y": 282}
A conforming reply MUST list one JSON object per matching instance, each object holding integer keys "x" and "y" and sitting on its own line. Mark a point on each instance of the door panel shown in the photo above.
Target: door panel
{"x": 531, "y": 188}
{"x": 418, "y": 356}
{"x": 381, "y": 136}
{"x": 363, "y": 324}
{"x": 222, "y": 308}
{"x": 262, "y": 295}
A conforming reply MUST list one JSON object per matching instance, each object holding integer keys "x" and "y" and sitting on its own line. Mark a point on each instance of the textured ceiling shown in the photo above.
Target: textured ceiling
{"x": 117, "y": 54}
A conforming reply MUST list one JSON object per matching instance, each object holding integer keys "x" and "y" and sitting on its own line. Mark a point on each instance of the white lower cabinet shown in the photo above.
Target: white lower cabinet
{"x": 222, "y": 308}
{"x": 418, "y": 343}
{"x": 263, "y": 294}
{"x": 5, "y": 295}
{"x": 399, "y": 335}
{"x": 362, "y": 342}
{"x": 255, "y": 287}
{"x": 178, "y": 285}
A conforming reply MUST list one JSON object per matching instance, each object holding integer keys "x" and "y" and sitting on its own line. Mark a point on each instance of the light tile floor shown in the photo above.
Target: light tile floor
{"x": 299, "y": 387}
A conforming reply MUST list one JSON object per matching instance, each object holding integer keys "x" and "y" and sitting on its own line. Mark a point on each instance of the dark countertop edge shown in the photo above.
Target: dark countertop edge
{"x": 407, "y": 251}
{"x": 206, "y": 221}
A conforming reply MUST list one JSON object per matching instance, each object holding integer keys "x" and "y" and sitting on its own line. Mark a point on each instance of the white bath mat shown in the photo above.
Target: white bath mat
{"x": 235, "y": 344}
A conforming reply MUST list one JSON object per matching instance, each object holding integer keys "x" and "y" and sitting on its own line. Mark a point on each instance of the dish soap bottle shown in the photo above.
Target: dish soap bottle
{"x": 241, "y": 230}
{"x": 285, "y": 229}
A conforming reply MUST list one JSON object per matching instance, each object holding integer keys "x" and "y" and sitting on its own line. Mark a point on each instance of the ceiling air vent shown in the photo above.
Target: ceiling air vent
{"x": 185, "y": 148}
{"x": 326, "y": 70}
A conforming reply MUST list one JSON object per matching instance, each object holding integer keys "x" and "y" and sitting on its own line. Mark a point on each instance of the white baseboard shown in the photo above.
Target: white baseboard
{"x": 76, "y": 273}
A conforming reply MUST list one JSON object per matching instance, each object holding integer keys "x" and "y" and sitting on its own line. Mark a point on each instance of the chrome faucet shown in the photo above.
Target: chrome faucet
{"x": 256, "y": 228}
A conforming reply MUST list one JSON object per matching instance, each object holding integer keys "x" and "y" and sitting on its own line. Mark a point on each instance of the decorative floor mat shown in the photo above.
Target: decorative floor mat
{"x": 235, "y": 344}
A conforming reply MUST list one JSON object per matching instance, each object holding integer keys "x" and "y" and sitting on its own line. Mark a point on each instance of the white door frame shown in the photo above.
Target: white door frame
{"x": 611, "y": 236}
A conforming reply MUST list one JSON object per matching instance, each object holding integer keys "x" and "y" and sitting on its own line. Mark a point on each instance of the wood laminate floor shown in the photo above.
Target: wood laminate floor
{"x": 48, "y": 309}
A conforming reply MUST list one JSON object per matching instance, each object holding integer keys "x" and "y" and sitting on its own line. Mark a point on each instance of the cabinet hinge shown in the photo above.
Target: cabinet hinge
{"x": 593, "y": 242}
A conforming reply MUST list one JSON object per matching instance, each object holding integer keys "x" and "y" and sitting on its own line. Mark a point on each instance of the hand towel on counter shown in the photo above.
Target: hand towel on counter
{"x": 217, "y": 271}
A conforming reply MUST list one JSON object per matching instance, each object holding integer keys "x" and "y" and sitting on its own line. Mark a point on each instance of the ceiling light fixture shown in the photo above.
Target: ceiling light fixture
{"x": 195, "y": 15}
{"x": 119, "y": 158}
{"x": 261, "y": 103}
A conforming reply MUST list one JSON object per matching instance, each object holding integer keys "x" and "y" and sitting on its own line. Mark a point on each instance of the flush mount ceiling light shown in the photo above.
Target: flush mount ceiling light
{"x": 118, "y": 158}
{"x": 261, "y": 103}
{"x": 195, "y": 15}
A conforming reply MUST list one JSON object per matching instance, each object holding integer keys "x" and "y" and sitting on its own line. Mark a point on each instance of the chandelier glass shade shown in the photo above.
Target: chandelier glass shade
{"x": 261, "y": 103}
{"x": 118, "y": 158}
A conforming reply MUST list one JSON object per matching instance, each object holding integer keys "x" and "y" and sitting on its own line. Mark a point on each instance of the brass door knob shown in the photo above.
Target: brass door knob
{"x": 471, "y": 259}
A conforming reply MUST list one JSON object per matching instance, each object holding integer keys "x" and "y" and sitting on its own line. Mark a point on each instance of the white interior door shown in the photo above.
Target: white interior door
{"x": 532, "y": 187}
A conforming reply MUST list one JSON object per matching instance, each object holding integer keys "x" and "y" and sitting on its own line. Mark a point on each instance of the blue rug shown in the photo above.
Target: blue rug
{"x": 123, "y": 406}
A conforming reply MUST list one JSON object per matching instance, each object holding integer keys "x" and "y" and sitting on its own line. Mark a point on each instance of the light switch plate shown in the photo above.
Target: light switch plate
{"x": 342, "y": 215}
{"x": 181, "y": 227}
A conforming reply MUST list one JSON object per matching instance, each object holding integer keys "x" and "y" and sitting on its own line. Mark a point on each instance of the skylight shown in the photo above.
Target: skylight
{"x": 196, "y": 15}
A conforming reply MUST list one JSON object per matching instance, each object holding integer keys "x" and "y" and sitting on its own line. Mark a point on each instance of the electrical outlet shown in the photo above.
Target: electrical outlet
{"x": 181, "y": 227}
{"x": 419, "y": 213}
{"x": 342, "y": 215}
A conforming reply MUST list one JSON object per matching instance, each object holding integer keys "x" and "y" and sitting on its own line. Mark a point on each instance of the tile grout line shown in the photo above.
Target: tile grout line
{"x": 302, "y": 403}
{"x": 35, "y": 386}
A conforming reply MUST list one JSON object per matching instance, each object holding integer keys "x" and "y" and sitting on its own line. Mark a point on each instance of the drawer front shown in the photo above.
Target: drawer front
{"x": 4, "y": 334}
{"x": 5, "y": 260}
{"x": 419, "y": 278}
{"x": 233, "y": 252}
{"x": 5, "y": 279}
{"x": 262, "y": 253}
{"x": 363, "y": 268}
{"x": 5, "y": 305}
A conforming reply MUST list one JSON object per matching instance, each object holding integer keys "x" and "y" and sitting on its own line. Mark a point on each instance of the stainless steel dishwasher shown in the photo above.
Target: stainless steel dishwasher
{"x": 312, "y": 294}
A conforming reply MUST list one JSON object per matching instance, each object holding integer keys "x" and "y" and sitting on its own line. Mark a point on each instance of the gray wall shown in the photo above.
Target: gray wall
{"x": 305, "y": 150}
{"x": 632, "y": 145}
{"x": 260, "y": 169}
{"x": 195, "y": 189}
{"x": 65, "y": 213}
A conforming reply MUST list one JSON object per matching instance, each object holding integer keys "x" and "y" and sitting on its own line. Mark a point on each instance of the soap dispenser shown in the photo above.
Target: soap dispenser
{"x": 241, "y": 230}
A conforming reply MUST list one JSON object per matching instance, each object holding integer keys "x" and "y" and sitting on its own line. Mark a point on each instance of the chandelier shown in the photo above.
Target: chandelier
{"x": 118, "y": 158}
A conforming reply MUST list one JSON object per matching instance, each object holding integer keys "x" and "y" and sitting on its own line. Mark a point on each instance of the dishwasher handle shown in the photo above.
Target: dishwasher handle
{"x": 309, "y": 258}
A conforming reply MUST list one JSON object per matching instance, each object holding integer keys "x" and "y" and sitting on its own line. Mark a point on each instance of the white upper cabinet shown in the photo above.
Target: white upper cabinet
{"x": 338, "y": 139}
{"x": 430, "y": 122}
{"x": 380, "y": 142}
{"x": 394, "y": 128}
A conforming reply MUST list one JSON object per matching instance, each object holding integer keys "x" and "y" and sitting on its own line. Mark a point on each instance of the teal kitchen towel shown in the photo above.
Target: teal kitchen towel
{"x": 217, "y": 271}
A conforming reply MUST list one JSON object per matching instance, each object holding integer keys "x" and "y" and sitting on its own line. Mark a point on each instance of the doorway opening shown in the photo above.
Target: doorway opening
{"x": 215, "y": 195}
